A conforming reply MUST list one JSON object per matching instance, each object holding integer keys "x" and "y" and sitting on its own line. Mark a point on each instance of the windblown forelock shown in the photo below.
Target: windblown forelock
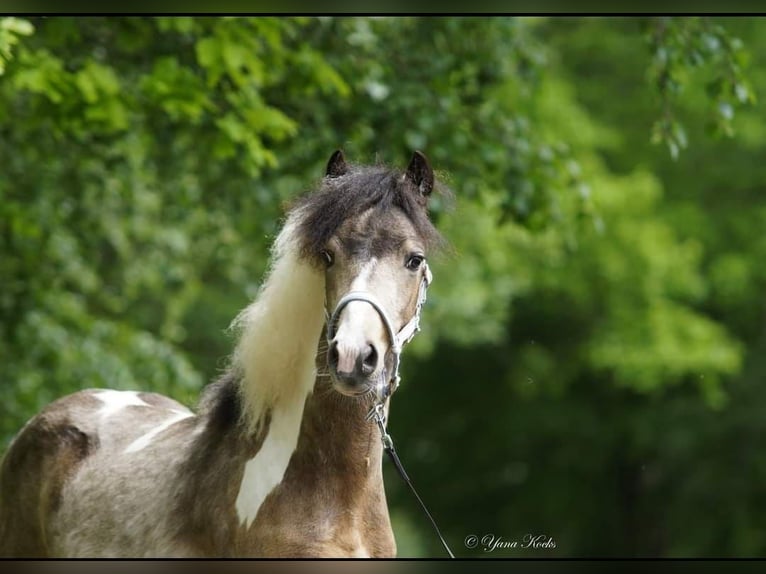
{"x": 321, "y": 214}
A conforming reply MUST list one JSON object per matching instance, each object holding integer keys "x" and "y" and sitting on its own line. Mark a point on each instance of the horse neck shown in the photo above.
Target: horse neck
{"x": 328, "y": 478}
{"x": 334, "y": 482}
{"x": 333, "y": 442}
{"x": 335, "y": 428}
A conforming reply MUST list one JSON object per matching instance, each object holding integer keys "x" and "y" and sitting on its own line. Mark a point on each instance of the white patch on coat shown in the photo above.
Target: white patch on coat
{"x": 115, "y": 401}
{"x": 144, "y": 440}
{"x": 266, "y": 469}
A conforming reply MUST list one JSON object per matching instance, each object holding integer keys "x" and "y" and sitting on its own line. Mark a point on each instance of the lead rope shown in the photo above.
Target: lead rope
{"x": 398, "y": 340}
{"x": 377, "y": 414}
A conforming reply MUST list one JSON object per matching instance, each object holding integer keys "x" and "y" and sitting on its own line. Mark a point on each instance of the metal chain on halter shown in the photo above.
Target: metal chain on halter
{"x": 377, "y": 413}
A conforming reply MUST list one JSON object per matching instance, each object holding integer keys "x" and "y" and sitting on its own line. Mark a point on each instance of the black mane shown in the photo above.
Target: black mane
{"x": 344, "y": 197}
{"x": 220, "y": 402}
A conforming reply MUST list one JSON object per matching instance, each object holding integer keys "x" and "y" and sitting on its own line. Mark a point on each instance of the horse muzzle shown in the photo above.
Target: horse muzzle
{"x": 353, "y": 366}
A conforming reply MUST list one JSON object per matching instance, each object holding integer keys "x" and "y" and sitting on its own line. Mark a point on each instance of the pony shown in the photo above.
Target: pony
{"x": 280, "y": 457}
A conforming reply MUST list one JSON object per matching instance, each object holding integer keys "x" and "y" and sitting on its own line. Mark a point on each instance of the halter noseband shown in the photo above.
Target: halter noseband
{"x": 398, "y": 340}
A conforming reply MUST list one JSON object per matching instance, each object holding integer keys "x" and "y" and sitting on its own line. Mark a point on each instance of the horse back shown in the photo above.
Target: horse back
{"x": 48, "y": 451}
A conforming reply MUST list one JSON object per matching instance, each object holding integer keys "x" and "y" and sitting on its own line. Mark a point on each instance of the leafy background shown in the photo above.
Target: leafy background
{"x": 593, "y": 361}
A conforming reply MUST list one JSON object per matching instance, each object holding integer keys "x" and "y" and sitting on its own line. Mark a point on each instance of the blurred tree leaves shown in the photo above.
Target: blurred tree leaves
{"x": 597, "y": 327}
{"x": 11, "y": 30}
{"x": 681, "y": 47}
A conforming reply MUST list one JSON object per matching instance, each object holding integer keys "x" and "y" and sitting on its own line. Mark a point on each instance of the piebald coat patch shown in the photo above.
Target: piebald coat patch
{"x": 266, "y": 470}
{"x": 144, "y": 440}
{"x": 114, "y": 401}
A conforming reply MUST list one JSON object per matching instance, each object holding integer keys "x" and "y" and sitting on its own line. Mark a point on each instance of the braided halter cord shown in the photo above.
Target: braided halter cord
{"x": 398, "y": 340}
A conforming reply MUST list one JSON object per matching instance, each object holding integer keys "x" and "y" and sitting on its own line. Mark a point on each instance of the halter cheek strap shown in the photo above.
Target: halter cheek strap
{"x": 397, "y": 340}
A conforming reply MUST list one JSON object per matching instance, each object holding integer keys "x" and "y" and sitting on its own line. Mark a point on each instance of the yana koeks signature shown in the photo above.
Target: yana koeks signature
{"x": 492, "y": 542}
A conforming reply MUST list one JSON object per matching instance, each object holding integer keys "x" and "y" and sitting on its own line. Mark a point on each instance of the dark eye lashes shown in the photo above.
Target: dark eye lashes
{"x": 414, "y": 262}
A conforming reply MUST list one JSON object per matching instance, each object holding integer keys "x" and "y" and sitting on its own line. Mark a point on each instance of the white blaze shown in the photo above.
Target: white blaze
{"x": 360, "y": 323}
{"x": 363, "y": 279}
{"x": 357, "y": 315}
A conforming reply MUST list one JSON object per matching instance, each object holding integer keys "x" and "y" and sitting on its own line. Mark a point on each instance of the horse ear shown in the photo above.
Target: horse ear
{"x": 337, "y": 165}
{"x": 419, "y": 172}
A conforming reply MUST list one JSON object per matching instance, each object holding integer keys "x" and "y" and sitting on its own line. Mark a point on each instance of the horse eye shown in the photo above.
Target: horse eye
{"x": 414, "y": 262}
{"x": 328, "y": 257}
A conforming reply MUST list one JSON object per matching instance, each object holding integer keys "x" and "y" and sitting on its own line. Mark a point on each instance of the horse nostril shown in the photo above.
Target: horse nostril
{"x": 333, "y": 356}
{"x": 369, "y": 360}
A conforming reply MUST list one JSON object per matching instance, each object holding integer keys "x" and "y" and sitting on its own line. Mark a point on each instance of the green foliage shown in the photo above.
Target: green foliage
{"x": 680, "y": 48}
{"x": 592, "y": 346}
{"x": 112, "y": 214}
{"x": 10, "y": 31}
